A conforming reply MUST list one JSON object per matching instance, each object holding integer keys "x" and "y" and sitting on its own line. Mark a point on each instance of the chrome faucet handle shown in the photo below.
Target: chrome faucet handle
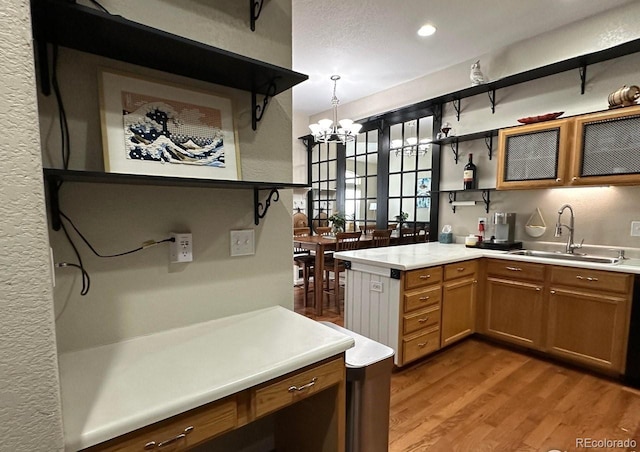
{"x": 620, "y": 252}
{"x": 574, "y": 246}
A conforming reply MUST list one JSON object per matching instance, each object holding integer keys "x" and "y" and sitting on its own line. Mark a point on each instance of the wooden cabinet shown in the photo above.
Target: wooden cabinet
{"x": 458, "y": 301}
{"x": 588, "y": 317}
{"x": 514, "y": 302}
{"x": 606, "y": 148}
{"x": 592, "y": 149}
{"x": 534, "y": 155}
{"x": 419, "y": 331}
{"x": 323, "y": 384}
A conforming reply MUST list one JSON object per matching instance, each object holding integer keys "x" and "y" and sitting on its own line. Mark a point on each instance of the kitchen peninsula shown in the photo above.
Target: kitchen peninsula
{"x": 188, "y": 385}
{"x": 420, "y": 298}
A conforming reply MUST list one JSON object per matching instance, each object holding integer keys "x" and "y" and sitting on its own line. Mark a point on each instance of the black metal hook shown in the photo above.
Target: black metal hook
{"x": 255, "y": 8}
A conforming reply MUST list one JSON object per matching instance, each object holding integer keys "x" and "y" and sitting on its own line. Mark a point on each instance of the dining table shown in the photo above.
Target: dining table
{"x": 320, "y": 244}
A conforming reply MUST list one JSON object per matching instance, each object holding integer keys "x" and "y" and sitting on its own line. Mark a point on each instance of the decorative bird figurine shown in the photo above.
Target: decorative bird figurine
{"x": 476, "y": 74}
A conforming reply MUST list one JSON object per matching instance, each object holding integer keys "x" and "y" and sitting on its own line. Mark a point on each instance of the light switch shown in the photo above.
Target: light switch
{"x": 243, "y": 242}
{"x": 635, "y": 229}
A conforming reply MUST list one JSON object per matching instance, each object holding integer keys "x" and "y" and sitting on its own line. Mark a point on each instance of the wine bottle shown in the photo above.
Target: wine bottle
{"x": 469, "y": 174}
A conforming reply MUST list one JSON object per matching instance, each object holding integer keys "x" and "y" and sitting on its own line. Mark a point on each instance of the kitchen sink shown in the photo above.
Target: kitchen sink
{"x": 567, "y": 256}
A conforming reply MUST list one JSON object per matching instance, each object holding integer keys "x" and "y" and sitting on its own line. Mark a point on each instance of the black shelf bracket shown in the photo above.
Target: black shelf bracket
{"x": 489, "y": 142}
{"x": 454, "y": 148}
{"x": 456, "y": 106}
{"x": 42, "y": 65}
{"x": 452, "y": 197}
{"x": 583, "y": 77}
{"x": 260, "y": 210}
{"x": 53, "y": 186}
{"x": 257, "y": 111}
{"x": 492, "y": 99}
{"x": 255, "y": 8}
{"x": 486, "y": 197}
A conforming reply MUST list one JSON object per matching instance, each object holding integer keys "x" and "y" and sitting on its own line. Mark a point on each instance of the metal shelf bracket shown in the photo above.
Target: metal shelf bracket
{"x": 260, "y": 210}
{"x": 255, "y": 8}
{"x": 583, "y": 77}
{"x": 486, "y": 197}
{"x": 53, "y": 186}
{"x": 489, "y": 142}
{"x": 456, "y": 106}
{"x": 454, "y": 148}
{"x": 492, "y": 98}
{"x": 452, "y": 197}
{"x": 257, "y": 111}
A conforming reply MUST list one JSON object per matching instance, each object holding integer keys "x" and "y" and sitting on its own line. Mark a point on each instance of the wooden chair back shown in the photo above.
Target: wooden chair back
{"x": 301, "y": 232}
{"x": 348, "y": 240}
{"x": 323, "y": 230}
{"x": 381, "y": 237}
{"x": 367, "y": 228}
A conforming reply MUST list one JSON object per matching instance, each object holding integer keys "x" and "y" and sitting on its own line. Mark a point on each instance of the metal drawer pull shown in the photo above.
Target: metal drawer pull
{"x": 303, "y": 387}
{"x": 588, "y": 278}
{"x": 423, "y": 320}
{"x": 514, "y": 269}
{"x": 460, "y": 269}
{"x": 425, "y": 276}
{"x": 538, "y": 289}
{"x": 152, "y": 444}
{"x": 422, "y": 344}
{"x": 424, "y": 298}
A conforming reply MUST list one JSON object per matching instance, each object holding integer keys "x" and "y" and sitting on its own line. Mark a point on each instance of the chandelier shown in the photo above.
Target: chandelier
{"x": 328, "y": 131}
{"x": 410, "y": 146}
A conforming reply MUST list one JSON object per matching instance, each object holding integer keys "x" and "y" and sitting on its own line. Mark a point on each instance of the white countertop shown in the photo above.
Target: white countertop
{"x": 409, "y": 257}
{"x": 113, "y": 389}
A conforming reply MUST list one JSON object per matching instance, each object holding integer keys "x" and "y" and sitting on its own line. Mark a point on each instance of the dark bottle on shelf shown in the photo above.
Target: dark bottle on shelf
{"x": 469, "y": 175}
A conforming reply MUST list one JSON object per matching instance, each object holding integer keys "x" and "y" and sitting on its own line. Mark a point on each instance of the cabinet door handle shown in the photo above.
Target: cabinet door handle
{"x": 460, "y": 269}
{"x": 538, "y": 289}
{"x": 423, "y": 320}
{"x": 152, "y": 444}
{"x": 303, "y": 387}
{"x": 424, "y": 298}
{"x": 588, "y": 278}
{"x": 425, "y": 276}
{"x": 553, "y": 292}
{"x": 558, "y": 180}
{"x": 422, "y": 344}
{"x": 514, "y": 269}
{"x": 574, "y": 178}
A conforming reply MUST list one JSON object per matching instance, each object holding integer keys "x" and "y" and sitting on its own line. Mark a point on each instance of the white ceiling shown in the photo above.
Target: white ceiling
{"x": 373, "y": 44}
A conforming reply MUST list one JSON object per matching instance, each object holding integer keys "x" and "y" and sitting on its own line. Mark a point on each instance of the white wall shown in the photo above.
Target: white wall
{"x": 29, "y": 389}
{"x": 143, "y": 293}
{"x": 603, "y": 215}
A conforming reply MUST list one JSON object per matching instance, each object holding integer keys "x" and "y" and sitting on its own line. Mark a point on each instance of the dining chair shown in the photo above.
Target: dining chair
{"x": 381, "y": 237}
{"x": 367, "y": 228}
{"x": 304, "y": 260}
{"x": 344, "y": 241}
{"x": 323, "y": 230}
{"x": 407, "y": 236}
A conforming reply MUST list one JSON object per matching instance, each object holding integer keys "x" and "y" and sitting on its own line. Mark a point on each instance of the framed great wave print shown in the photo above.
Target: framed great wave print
{"x": 152, "y": 128}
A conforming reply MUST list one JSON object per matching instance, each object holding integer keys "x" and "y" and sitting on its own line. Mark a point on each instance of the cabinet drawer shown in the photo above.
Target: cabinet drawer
{"x": 422, "y": 277}
{"x": 591, "y": 279}
{"x": 421, "y": 345}
{"x": 460, "y": 269}
{"x": 421, "y": 298}
{"x": 182, "y": 431}
{"x": 428, "y": 317}
{"x": 297, "y": 387}
{"x": 515, "y": 269}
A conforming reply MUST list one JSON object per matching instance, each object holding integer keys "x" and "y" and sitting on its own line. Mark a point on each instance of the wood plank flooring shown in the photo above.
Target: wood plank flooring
{"x": 477, "y": 396}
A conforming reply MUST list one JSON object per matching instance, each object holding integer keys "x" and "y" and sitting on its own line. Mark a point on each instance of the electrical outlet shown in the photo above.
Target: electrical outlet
{"x": 376, "y": 286}
{"x": 635, "y": 229}
{"x": 243, "y": 242}
{"x": 181, "y": 250}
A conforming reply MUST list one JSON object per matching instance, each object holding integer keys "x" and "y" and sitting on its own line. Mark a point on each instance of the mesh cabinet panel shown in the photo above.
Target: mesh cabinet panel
{"x": 532, "y": 156}
{"x": 611, "y": 146}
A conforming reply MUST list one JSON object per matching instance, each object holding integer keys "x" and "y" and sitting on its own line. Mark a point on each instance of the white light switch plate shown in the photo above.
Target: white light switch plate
{"x": 635, "y": 229}
{"x": 243, "y": 242}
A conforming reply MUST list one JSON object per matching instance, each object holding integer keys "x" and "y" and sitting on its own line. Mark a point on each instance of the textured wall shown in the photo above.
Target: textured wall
{"x": 143, "y": 293}
{"x": 29, "y": 389}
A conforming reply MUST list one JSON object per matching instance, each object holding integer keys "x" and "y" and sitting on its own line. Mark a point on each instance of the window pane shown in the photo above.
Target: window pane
{"x": 409, "y": 184}
{"x": 394, "y": 185}
{"x": 424, "y": 161}
{"x": 333, "y": 170}
{"x": 315, "y": 153}
{"x": 332, "y": 151}
{"x": 324, "y": 171}
{"x": 408, "y": 206}
{"x": 351, "y": 147}
{"x": 372, "y": 140}
{"x": 394, "y": 209}
{"x": 372, "y": 164}
{"x": 394, "y": 162}
{"x": 396, "y": 136}
{"x": 350, "y": 165}
{"x": 426, "y": 128}
{"x": 423, "y": 213}
{"x": 372, "y": 187}
{"x": 409, "y": 163}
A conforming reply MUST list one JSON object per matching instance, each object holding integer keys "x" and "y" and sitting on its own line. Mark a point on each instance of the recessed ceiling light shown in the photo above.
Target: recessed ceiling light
{"x": 427, "y": 30}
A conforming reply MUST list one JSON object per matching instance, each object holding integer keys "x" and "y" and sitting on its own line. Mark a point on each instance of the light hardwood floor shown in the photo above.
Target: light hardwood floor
{"x": 477, "y": 396}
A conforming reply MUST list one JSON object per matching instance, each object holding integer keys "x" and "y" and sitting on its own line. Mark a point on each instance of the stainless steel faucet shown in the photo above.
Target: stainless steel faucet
{"x": 570, "y": 245}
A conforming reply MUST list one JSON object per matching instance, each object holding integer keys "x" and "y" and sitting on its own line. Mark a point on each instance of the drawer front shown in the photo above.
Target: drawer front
{"x": 422, "y": 277}
{"x": 460, "y": 269}
{"x": 426, "y": 318}
{"x": 297, "y": 387}
{"x": 421, "y": 298}
{"x": 591, "y": 279}
{"x": 179, "y": 432}
{"x": 421, "y": 345}
{"x": 515, "y": 269}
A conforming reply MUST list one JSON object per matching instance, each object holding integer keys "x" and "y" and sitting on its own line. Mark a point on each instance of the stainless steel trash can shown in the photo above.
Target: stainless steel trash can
{"x": 369, "y": 364}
